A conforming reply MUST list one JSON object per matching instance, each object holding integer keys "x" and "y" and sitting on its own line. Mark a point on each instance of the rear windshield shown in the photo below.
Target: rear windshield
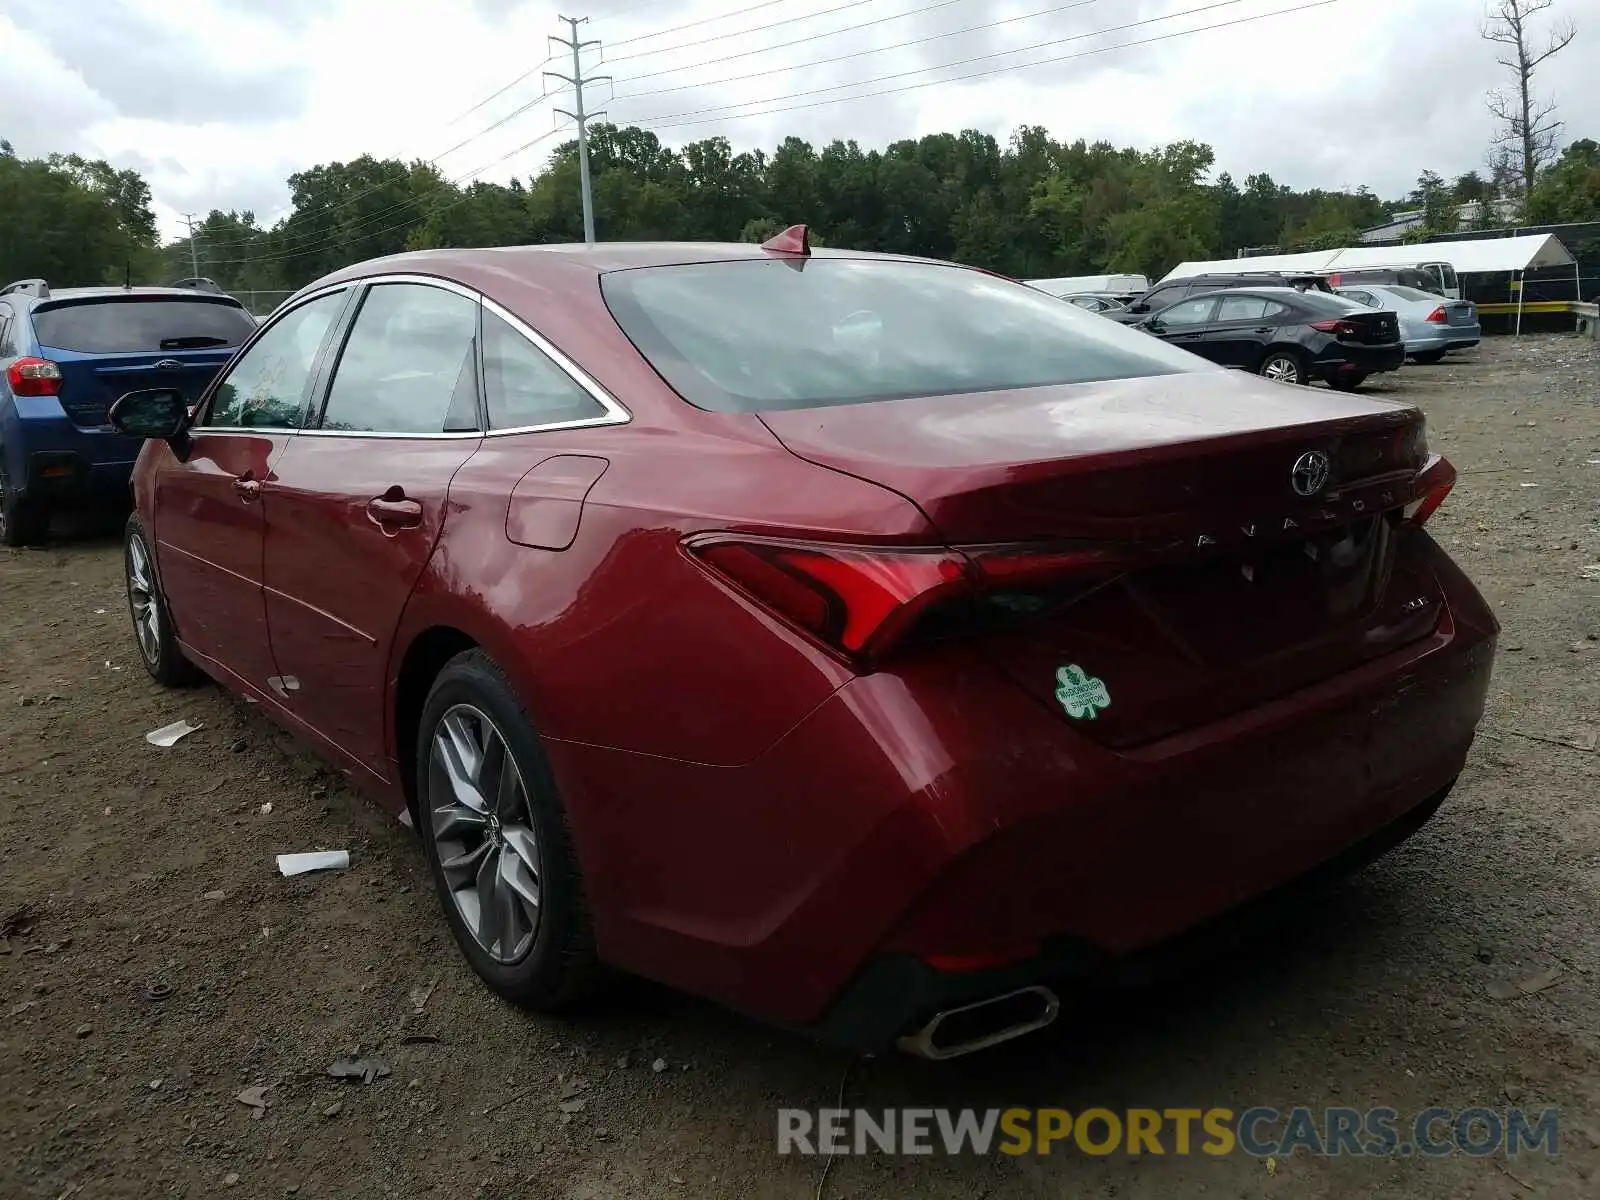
{"x": 758, "y": 334}
{"x": 141, "y": 324}
{"x": 1329, "y": 304}
{"x": 1410, "y": 293}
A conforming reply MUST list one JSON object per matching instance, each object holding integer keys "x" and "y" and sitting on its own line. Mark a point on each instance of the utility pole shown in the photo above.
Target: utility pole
{"x": 581, "y": 118}
{"x": 194, "y": 250}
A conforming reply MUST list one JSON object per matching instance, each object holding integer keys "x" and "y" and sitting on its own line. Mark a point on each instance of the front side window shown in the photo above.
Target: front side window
{"x": 1190, "y": 312}
{"x": 750, "y": 335}
{"x": 266, "y": 389}
{"x": 523, "y": 387}
{"x": 409, "y": 365}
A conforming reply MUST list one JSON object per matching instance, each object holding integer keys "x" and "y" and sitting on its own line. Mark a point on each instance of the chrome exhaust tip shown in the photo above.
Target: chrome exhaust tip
{"x": 969, "y": 1028}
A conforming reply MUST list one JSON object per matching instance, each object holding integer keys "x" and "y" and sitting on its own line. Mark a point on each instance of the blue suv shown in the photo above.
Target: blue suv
{"x": 65, "y": 356}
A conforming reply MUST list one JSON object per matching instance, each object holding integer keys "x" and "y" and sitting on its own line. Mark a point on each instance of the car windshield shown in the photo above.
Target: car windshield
{"x": 758, "y": 334}
{"x": 141, "y": 324}
{"x": 1411, "y": 293}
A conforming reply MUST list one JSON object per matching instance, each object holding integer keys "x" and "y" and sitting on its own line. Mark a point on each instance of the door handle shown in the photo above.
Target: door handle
{"x": 1265, "y": 328}
{"x": 390, "y": 512}
{"x": 247, "y": 489}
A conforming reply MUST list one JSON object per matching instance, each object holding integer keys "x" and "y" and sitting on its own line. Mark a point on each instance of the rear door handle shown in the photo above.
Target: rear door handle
{"x": 248, "y": 489}
{"x": 1265, "y": 328}
{"x": 393, "y": 511}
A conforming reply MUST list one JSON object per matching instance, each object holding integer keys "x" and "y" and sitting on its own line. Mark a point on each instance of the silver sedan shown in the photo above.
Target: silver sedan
{"x": 1430, "y": 325}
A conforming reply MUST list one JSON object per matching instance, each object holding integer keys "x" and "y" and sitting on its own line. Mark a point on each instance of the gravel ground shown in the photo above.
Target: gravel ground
{"x": 143, "y": 865}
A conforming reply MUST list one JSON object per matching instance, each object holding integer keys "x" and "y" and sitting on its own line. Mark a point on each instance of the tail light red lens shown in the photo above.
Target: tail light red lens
{"x": 860, "y": 601}
{"x": 1333, "y": 326}
{"x": 34, "y": 377}
{"x": 1438, "y": 317}
{"x": 1436, "y": 480}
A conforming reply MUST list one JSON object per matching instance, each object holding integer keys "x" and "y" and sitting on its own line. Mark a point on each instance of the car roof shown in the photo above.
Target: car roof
{"x": 1271, "y": 293}
{"x": 110, "y": 291}
{"x": 597, "y": 259}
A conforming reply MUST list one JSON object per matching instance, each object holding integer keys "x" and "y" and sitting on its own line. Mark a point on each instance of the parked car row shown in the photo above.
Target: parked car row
{"x": 1297, "y": 328}
{"x": 877, "y": 646}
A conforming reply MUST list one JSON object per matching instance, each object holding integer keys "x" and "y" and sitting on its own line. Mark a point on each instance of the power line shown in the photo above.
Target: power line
{"x": 722, "y": 37}
{"x": 1074, "y": 37}
{"x": 434, "y": 211}
{"x": 817, "y": 62}
{"x": 346, "y": 201}
{"x": 495, "y": 95}
{"x": 672, "y": 123}
{"x": 738, "y": 12}
{"x": 815, "y": 37}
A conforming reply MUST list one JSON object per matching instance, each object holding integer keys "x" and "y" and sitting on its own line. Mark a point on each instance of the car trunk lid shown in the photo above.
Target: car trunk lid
{"x": 1219, "y": 563}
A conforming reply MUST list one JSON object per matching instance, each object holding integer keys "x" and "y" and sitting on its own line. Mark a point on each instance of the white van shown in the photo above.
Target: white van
{"x": 1117, "y": 286}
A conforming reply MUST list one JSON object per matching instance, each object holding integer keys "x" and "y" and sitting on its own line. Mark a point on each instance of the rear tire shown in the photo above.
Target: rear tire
{"x": 1346, "y": 383}
{"x": 22, "y": 523}
{"x": 498, "y": 843}
{"x": 1428, "y": 357}
{"x": 1283, "y": 366}
{"x": 147, "y": 605}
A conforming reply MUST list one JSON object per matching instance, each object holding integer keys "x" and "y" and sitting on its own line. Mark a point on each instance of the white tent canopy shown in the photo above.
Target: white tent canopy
{"x": 1512, "y": 254}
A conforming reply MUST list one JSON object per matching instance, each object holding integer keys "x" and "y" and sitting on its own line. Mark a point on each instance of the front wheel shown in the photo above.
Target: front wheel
{"x": 1283, "y": 366}
{"x": 152, "y": 622}
{"x": 497, "y": 840}
{"x": 1347, "y": 383}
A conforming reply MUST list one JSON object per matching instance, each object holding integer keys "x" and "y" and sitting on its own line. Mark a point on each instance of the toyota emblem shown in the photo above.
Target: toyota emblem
{"x": 1310, "y": 473}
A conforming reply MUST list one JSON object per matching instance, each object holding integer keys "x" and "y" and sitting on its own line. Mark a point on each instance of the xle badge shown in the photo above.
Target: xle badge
{"x": 1081, "y": 694}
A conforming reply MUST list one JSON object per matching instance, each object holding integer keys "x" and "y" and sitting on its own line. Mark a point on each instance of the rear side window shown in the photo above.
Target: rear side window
{"x": 750, "y": 335}
{"x": 524, "y": 387}
{"x": 141, "y": 325}
{"x": 7, "y": 347}
{"x": 1242, "y": 308}
{"x": 1447, "y": 275}
{"x": 409, "y": 365}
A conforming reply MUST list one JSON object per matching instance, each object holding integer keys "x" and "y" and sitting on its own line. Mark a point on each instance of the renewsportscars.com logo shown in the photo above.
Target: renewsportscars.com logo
{"x": 1259, "y": 1131}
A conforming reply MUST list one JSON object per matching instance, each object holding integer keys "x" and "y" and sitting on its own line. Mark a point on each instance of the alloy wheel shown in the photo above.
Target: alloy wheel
{"x": 142, "y": 600}
{"x": 483, "y": 832}
{"x": 1281, "y": 369}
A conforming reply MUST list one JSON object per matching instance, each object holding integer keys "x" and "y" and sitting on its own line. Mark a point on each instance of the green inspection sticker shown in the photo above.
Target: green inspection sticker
{"x": 1081, "y": 694}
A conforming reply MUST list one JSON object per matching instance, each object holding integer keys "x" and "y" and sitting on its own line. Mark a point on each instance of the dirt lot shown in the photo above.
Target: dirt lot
{"x": 147, "y": 865}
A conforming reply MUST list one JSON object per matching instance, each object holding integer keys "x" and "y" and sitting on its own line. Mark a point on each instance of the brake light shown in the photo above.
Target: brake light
{"x": 1436, "y": 479}
{"x": 34, "y": 377}
{"x": 1339, "y": 327}
{"x": 859, "y": 601}
{"x": 1438, "y": 317}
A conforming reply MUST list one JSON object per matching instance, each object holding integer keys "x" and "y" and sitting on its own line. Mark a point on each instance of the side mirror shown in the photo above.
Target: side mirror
{"x": 1140, "y": 307}
{"x": 161, "y": 413}
{"x": 1153, "y": 324}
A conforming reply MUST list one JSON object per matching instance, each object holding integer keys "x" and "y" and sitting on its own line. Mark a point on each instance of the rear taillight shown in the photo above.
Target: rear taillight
{"x": 859, "y": 602}
{"x": 1340, "y": 327}
{"x": 1438, "y": 317}
{"x": 34, "y": 377}
{"x": 1436, "y": 479}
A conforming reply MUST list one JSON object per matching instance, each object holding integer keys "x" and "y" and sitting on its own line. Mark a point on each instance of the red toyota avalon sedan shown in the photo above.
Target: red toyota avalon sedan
{"x": 871, "y": 644}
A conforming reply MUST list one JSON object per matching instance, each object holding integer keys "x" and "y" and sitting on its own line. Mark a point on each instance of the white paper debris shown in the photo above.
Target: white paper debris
{"x": 266, "y": 809}
{"x": 315, "y": 860}
{"x": 405, "y": 818}
{"x": 169, "y": 735}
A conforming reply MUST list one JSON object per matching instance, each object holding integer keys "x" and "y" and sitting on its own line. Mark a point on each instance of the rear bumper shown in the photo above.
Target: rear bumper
{"x": 1353, "y": 359}
{"x": 63, "y": 463}
{"x": 941, "y": 812}
{"x": 1446, "y": 337}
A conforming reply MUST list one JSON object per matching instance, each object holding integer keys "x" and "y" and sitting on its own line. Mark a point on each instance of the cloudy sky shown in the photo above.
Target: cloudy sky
{"x": 218, "y": 101}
